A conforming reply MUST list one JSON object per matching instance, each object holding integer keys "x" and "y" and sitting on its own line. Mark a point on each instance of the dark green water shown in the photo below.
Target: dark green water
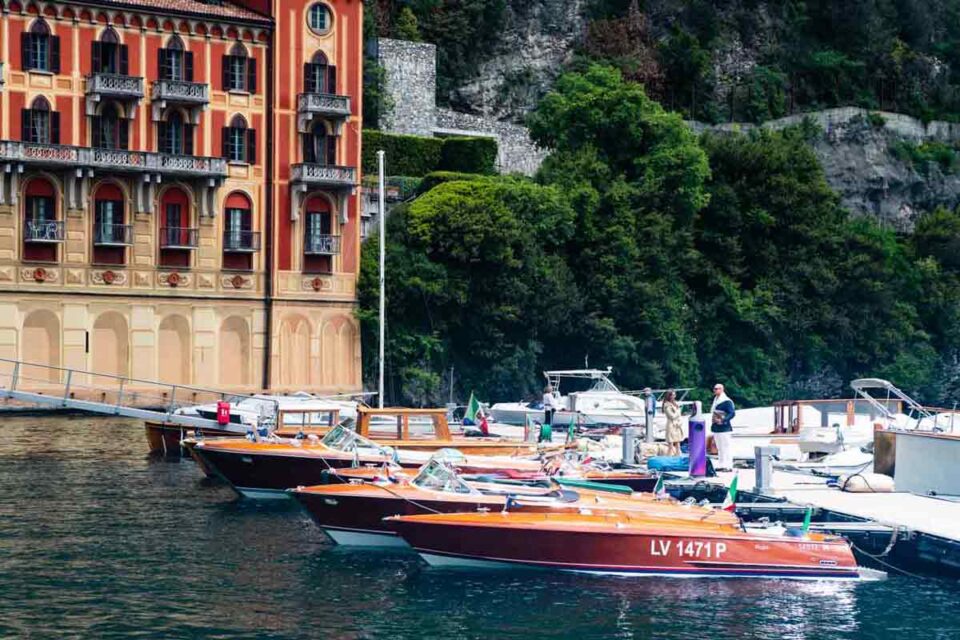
{"x": 97, "y": 540}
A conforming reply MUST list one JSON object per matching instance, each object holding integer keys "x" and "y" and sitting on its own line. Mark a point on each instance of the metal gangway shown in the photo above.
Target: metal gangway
{"x": 107, "y": 394}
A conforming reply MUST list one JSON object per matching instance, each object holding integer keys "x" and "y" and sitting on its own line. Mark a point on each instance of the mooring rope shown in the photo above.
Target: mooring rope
{"x": 894, "y": 535}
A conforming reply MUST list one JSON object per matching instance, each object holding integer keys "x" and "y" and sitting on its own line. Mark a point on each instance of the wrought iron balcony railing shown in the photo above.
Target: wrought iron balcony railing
{"x": 180, "y": 91}
{"x": 112, "y": 235}
{"x": 238, "y": 241}
{"x": 321, "y": 244}
{"x": 324, "y": 104}
{"x": 324, "y": 175}
{"x": 179, "y": 238}
{"x": 43, "y": 231}
{"x": 112, "y": 159}
{"x": 114, "y": 85}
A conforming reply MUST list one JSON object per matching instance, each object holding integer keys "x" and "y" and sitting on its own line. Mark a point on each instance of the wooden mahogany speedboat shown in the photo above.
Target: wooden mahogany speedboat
{"x": 266, "y": 469}
{"x": 623, "y": 544}
{"x": 353, "y": 513}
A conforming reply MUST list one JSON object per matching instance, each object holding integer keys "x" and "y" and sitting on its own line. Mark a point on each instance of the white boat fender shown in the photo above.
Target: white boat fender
{"x": 866, "y": 483}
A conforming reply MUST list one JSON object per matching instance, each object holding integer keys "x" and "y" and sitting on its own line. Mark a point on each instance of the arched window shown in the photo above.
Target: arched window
{"x": 108, "y": 55}
{"x": 239, "y": 239}
{"x": 110, "y": 234}
{"x": 320, "y": 19}
{"x": 175, "y": 135}
{"x": 175, "y": 62}
{"x": 39, "y": 50}
{"x": 110, "y": 129}
{"x": 319, "y": 243}
{"x": 319, "y": 76}
{"x": 239, "y": 141}
{"x": 39, "y": 124}
{"x": 41, "y": 229}
{"x": 318, "y": 146}
{"x": 239, "y": 70}
{"x": 177, "y": 238}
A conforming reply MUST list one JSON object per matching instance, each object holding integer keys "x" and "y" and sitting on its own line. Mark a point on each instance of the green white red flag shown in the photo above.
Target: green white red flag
{"x": 730, "y": 502}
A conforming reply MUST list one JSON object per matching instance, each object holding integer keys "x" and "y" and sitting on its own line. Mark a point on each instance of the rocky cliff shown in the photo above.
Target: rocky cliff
{"x": 533, "y": 46}
{"x": 881, "y": 164}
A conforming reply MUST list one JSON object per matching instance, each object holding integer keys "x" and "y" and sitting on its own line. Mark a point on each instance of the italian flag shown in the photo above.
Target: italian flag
{"x": 475, "y": 416}
{"x": 730, "y": 502}
{"x": 660, "y": 489}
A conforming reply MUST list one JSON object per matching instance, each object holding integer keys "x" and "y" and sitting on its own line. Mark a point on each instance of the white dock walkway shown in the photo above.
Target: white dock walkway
{"x": 926, "y": 514}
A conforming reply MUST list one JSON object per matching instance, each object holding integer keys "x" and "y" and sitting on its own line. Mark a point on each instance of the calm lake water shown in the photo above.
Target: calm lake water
{"x": 98, "y": 540}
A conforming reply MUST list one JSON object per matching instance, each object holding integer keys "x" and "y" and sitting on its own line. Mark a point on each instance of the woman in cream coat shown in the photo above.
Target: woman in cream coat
{"x": 675, "y": 435}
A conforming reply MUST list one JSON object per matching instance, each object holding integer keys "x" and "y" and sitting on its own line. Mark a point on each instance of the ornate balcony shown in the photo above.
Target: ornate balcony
{"x": 43, "y": 231}
{"x": 180, "y": 92}
{"x": 126, "y": 89}
{"x": 325, "y": 176}
{"x": 116, "y": 160}
{"x": 179, "y": 238}
{"x": 321, "y": 244}
{"x": 325, "y": 105}
{"x": 113, "y": 235}
{"x": 235, "y": 241}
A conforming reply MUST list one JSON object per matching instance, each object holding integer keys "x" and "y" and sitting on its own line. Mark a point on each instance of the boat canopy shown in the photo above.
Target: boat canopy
{"x": 914, "y": 409}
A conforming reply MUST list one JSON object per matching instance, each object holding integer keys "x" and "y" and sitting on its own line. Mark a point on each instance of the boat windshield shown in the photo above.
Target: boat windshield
{"x": 343, "y": 439}
{"x": 438, "y": 476}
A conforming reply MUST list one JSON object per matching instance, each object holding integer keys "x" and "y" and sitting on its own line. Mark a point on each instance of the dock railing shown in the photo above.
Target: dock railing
{"x": 108, "y": 393}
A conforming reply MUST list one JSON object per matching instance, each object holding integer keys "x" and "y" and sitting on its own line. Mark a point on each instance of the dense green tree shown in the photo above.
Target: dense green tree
{"x": 635, "y": 175}
{"x": 474, "y": 283}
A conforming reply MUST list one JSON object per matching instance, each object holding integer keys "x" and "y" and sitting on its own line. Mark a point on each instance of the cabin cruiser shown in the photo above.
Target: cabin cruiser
{"x": 603, "y": 404}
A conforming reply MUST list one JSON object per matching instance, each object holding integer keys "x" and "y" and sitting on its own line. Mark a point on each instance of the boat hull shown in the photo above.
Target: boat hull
{"x": 164, "y": 439}
{"x": 634, "y": 552}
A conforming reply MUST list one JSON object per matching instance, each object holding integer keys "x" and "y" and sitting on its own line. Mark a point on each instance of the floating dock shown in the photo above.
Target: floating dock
{"x": 898, "y": 531}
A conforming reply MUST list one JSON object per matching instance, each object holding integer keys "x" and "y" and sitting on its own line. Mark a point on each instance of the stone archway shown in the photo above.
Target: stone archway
{"x": 235, "y": 352}
{"x": 346, "y": 354}
{"x": 174, "y": 350}
{"x": 40, "y": 344}
{"x": 110, "y": 346}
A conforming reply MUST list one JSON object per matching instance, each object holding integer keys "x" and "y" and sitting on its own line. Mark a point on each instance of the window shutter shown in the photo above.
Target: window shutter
{"x": 25, "y": 58}
{"x": 124, "y": 60}
{"x": 55, "y": 54}
{"x": 162, "y": 64}
{"x": 25, "y": 117}
{"x": 251, "y": 146}
{"x": 331, "y": 79}
{"x": 307, "y": 139}
{"x": 162, "y": 137}
{"x": 308, "y": 79}
{"x": 123, "y": 133}
{"x": 225, "y": 73}
{"x": 96, "y": 56}
{"x": 331, "y": 150}
{"x": 54, "y": 127}
{"x": 225, "y": 142}
{"x": 252, "y": 75}
{"x": 188, "y": 139}
{"x": 96, "y": 131}
{"x": 188, "y": 66}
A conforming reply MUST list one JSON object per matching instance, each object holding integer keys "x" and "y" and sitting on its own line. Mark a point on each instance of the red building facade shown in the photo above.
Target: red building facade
{"x": 178, "y": 192}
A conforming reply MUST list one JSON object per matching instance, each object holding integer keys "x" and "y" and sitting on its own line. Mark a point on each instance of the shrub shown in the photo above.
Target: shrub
{"x": 406, "y": 155}
{"x": 469, "y": 155}
{"x": 436, "y": 178}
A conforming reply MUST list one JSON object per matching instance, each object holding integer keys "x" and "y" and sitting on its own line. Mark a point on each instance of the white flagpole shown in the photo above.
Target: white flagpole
{"x": 383, "y": 254}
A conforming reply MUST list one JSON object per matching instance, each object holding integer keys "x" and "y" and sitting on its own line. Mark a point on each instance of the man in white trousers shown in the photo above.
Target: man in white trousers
{"x": 722, "y": 412}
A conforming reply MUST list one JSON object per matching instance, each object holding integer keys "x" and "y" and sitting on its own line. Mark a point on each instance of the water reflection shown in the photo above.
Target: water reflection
{"x": 98, "y": 540}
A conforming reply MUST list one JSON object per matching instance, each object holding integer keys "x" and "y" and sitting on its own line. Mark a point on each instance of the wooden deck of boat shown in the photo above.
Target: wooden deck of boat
{"x": 926, "y": 514}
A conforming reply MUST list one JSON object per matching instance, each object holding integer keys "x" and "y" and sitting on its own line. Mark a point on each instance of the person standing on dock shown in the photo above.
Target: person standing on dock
{"x": 674, "y": 431}
{"x": 723, "y": 411}
{"x": 550, "y": 404}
